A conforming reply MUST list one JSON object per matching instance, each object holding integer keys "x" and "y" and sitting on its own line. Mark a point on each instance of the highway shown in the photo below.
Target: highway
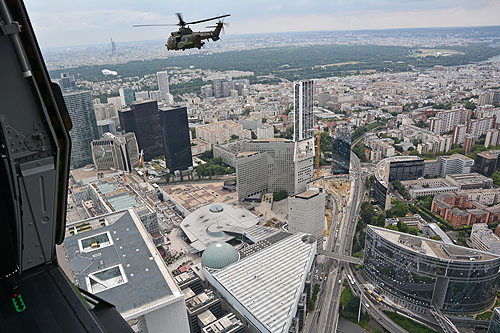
{"x": 342, "y": 245}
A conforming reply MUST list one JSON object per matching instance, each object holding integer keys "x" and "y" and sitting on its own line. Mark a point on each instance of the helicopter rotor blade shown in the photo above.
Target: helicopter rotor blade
{"x": 181, "y": 21}
{"x": 209, "y": 19}
{"x": 154, "y": 25}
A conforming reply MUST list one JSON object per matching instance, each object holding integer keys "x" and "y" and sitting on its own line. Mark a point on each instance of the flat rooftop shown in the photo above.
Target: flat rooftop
{"x": 432, "y": 248}
{"x": 307, "y": 194}
{"x": 193, "y": 196}
{"x": 116, "y": 260}
{"x": 383, "y": 167}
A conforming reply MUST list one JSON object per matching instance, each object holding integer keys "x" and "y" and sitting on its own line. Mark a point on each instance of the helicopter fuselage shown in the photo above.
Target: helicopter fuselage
{"x": 185, "y": 38}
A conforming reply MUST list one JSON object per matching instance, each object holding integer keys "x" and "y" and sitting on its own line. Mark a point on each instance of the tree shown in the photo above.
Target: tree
{"x": 413, "y": 231}
{"x": 277, "y": 196}
{"x": 193, "y": 132}
{"x": 399, "y": 209}
{"x": 496, "y": 178}
{"x": 234, "y": 137}
{"x": 367, "y": 213}
{"x": 167, "y": 177}
{"x": 264, "y": 120}
{"x": 470, "y": 105}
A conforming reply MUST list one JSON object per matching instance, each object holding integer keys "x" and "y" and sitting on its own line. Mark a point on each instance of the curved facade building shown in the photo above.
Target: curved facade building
{"x": 420, "y": 273}
{"x": 395, "y": 168}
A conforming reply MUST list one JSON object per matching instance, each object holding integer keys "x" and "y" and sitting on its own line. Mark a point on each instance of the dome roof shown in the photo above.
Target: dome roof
{"x": 219, "y": 255}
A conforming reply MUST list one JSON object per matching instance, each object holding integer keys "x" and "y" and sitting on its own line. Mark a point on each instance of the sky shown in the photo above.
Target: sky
{"x": 61, "y": 23}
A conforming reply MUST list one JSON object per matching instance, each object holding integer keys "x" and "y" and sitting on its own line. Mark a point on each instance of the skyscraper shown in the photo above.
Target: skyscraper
{"x": 81, "y": 112}
{"x": 162, "y": 78}
{"x": 113, "y": 47}
{"x": 303, "y": 110}
{"x": 341, "y": 150}
{"x": 175, "y": 136}
{"x": 143, "y": 119}
{"x": 127, "y": 96}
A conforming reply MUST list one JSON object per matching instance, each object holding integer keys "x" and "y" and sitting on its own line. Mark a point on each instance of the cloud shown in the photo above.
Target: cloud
{"x": 77, "y": 22}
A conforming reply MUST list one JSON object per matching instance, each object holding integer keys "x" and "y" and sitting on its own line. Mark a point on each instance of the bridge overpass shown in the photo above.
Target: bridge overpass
{"x": 341, "y": 257}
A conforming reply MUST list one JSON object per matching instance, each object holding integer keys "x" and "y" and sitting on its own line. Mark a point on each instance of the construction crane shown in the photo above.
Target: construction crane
{"x": 318, "y": 141}
{"x": 141, "y": 155}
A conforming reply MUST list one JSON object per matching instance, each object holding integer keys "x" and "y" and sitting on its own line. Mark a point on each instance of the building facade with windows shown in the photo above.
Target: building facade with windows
{"x": 84, "y": 130}
{"x": 420, "y": 273}
{"x": 303, "y": 96}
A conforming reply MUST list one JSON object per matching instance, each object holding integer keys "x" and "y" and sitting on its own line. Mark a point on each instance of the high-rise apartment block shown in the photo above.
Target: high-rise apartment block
{"x": 143, "y": 119}
{"x": 306, "y": 213}
{"x": 84, "y": 130}
{"x": 163, "y": 85}
{"x": 127, "y": 96}
{"x": 303, "y": 96}
{"x": 445, "y": 121}
{"x": 175, "y": 136}
{"x": 118, "y": 152}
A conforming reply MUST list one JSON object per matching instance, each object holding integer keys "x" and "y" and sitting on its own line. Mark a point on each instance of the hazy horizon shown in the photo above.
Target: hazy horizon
{"x": 60, "y": 23}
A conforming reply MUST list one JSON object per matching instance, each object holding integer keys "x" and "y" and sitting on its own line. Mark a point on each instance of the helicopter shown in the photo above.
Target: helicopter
{"x": 185, "y": 38}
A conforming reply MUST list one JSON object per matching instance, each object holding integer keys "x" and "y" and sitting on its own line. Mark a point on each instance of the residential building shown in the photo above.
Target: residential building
{"x": 483, "y": 238}
{"x": 84, "y": 130}
{"x": 143, "y": 119}
{"x": 175, "y": 136}
{"x": 303, "y": 96}
{"x": 306, "y": 213}
{"x": 445, "y": 121}
{"x": 492, "y": 138}
{"x": 392, "y": 262}
{"x": 113, "y": 257}
{"x": 219, "y": 132}
{"x": 460, "y": 211}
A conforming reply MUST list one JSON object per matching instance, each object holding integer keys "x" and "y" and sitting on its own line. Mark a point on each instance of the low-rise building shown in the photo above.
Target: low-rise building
{"x": 423, "y": 187}
{"x": 483, "y": 238}
{"x": 468, "y": 181}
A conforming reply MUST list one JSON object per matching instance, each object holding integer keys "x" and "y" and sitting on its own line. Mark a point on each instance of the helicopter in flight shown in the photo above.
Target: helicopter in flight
{"x": 185, "y": 38}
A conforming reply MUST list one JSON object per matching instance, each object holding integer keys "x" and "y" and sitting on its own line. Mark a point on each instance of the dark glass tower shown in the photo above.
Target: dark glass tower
{"x": 177, "y": 147}
{"x": 341, "y": 150}
{"x": 81, "y": 111}
{"x": 143, "y": 119}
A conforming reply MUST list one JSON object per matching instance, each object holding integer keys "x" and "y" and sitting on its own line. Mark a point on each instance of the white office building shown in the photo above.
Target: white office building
{"x": 484, "y": 239}
{"x": 454, "y": 164}
{"x": 306, "y": 213}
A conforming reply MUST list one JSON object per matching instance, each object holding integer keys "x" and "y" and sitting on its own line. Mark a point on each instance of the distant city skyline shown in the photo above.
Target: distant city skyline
{"x": 61, "y": 23}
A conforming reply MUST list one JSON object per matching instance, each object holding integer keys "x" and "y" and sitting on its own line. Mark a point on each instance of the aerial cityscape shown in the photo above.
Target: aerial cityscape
{"x": 312, "y": 181}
